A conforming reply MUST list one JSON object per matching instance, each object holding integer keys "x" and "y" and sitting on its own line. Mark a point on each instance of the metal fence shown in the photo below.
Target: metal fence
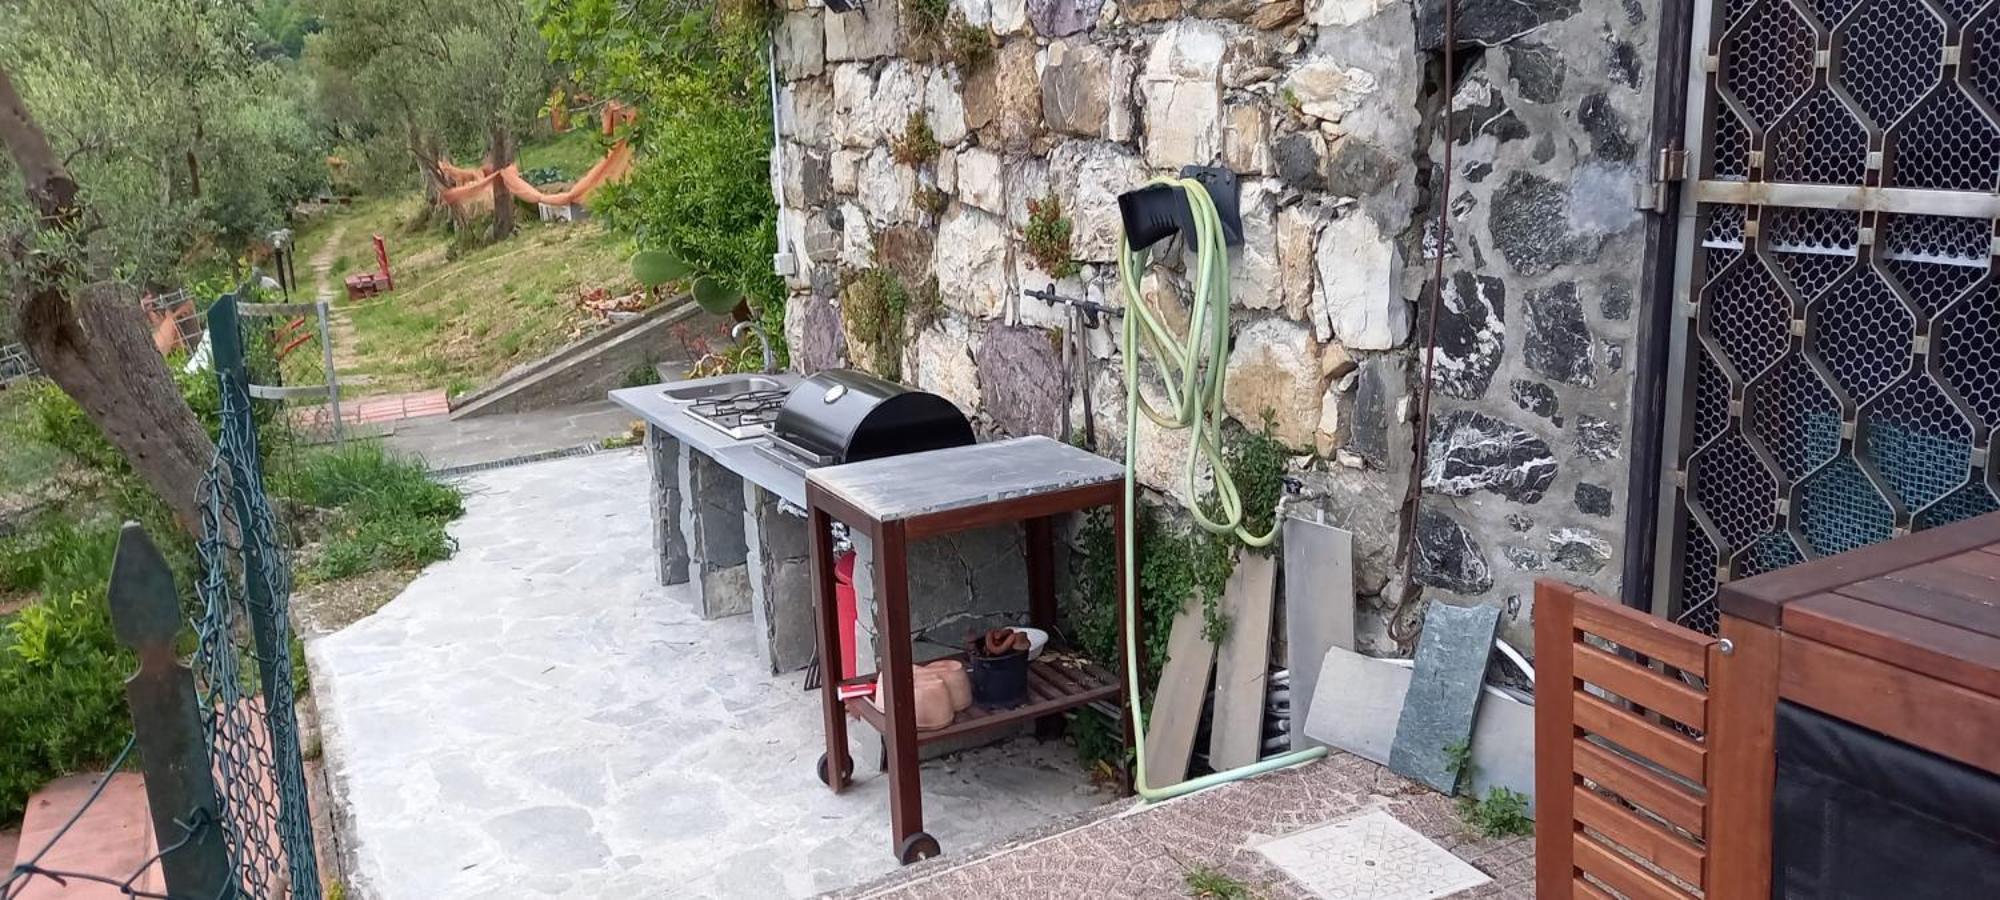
{"x": 217, "y": 737}
{"x": 15, "y": 363}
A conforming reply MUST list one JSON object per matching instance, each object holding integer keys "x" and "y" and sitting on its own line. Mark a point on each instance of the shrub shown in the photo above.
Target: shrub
{"x": 381, "y": 511}
{"x": 62, "y": 672}
{"x": 875, "y": 306}
{"x": 918, "y": 145}
{"x": 1048, "y": 237}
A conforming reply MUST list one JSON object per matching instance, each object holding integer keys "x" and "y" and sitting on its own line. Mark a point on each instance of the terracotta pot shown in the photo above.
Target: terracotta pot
{"x": 952, "y": 673}
{"x": 936, "y": 701}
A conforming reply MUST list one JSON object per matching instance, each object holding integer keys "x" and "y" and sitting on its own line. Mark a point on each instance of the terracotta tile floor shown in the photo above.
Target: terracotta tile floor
{"x": 373, "y": 410}
{"x": 1146, "y": 852}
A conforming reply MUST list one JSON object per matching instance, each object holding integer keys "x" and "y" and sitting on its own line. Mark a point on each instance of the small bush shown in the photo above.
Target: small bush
{"x": 383, "y": 511}
{"x": 967, "y": 45}
{"x": 875, "y": 306}
{"x": 1048, "y": 237}
{"x": 62, "y": 703}
{"x": 1501, "y": 813}
{"x": 918, "y": 145}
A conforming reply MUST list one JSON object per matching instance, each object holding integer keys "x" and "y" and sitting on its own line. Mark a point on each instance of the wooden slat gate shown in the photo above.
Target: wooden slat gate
{"x": 1622, "y": 768}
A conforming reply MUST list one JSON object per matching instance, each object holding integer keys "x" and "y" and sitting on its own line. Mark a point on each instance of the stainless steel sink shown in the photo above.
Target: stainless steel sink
{"x": 726, "y": 387}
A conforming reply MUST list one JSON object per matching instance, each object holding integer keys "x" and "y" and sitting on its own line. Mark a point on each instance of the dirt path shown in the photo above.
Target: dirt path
{"x": 326, "y": 289}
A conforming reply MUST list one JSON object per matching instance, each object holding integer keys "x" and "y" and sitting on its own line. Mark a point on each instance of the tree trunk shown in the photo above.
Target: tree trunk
{"x": 93, "y": 342}
{"x": 502, "y": 147}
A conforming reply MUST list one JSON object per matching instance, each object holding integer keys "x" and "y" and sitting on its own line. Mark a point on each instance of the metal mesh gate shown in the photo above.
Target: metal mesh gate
{"x": 1837, "y": 350}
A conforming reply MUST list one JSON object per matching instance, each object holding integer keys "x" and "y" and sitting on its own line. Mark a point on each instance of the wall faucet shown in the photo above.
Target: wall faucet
{"x": 763, "y": 342}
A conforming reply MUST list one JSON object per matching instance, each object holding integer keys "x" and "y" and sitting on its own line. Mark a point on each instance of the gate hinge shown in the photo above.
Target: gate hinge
{"x": 1669, "y": 167}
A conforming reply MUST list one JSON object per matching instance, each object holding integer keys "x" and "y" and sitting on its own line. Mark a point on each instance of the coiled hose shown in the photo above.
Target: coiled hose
{"x": 1193, "y": 376}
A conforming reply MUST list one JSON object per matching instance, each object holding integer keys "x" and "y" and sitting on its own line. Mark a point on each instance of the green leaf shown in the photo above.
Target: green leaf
{"x": 715, "y": 297}
{"x": 657, "y": 267}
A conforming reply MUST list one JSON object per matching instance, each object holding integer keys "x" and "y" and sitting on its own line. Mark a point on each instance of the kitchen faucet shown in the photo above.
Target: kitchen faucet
{"x": 763, "y": 341}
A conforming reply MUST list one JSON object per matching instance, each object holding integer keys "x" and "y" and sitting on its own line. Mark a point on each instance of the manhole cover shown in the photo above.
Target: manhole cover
{"x": 1371, "y": 856}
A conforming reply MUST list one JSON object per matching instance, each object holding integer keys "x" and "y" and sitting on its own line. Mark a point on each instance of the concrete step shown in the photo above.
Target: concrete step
{"x": 113, "y": 838}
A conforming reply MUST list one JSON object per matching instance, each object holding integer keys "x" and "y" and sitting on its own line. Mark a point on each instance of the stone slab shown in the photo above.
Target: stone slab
{"x": 1360, "y": 718}
{"x": 1176, "y": 710}
{"x": 1374, "y": 850}
{"x": 919, "y": 484}
{"x": 663, "y": 457}
{"x": 580, "y": 732}
{"x": 1444, "y": 691}
{"x": 1243, "y": 663}
{"x": 1319, "y": 608}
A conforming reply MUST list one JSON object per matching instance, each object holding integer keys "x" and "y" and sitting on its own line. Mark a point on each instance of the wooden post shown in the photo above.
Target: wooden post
{"x": 1742, "y": 767}
{"x": 166, "y": 719}
{"x": 1555, "y": 738}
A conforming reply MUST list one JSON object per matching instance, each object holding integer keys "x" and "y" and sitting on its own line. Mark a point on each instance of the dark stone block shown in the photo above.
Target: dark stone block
{"x": 1614, "y": 355}
{"x": 1471, "y": 451}
{"x": 1448, "y": 556}
{"x": 1475, "y": 173}
{"x": 907, "y": 251}
{"x": 1593, "y": 499}
{"x": 1606, "y": 128}
{"x": 1616, "y": 304}
{"x": 1299, "y": 163}
{"x": 1580, "y": 550}
{"x": 1062, "y": 18}
{"x": 1558, "y": 342}
{"x": 815, "y": 178}
{"x": 1520, "y": 522}
{"x": 1488, "y": 23}
{"x": 1020, "y": 380}
{"x": 1598, "y": 439}
{"x": 1471, "y": 335}
{"x": 1378, "y": 387}
{"x": 1538, "y": 71}
{"x": 1536, "y": 397}
{"x": 824, "y": 342}
{"x": 1491, "y": 117}
{"x": 1530, "y": 226}
{"x": 1357, "y": 168}
{"x": 1624, "y": 64}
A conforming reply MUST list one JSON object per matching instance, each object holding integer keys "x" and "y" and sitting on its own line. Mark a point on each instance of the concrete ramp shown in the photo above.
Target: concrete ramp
{"x": 586, "y": 368}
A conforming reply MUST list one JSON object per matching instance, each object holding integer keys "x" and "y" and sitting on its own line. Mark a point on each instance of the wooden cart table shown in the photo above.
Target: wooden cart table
{"x": 1899, "y": 639}
{"x": 902, "y": 499}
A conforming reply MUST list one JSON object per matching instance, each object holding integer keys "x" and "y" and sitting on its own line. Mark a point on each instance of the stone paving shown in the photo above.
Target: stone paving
{"x": 1148, "y": 851}
{"x": 538, "y": 717}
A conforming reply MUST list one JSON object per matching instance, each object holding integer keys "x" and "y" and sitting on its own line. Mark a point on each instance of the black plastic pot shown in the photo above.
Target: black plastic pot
{"x": 1000, "y": 682}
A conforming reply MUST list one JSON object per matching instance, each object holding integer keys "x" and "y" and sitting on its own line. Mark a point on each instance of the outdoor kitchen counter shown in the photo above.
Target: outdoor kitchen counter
{"x": 741, "y": 457}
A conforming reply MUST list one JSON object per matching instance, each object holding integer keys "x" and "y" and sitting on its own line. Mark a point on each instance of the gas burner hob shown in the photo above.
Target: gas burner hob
{"x": 742, "y": 416}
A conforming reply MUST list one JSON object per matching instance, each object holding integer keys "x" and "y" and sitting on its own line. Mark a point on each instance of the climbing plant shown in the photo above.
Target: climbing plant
{"x": 875, "y": 306}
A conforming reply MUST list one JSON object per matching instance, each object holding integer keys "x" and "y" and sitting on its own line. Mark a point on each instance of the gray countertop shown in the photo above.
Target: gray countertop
{"x": 741, "y": 457}
{"x": 892, "y": 489}
{"x": 920, "y": 484}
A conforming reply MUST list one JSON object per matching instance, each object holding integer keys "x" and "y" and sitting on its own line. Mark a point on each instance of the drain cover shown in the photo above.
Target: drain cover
{"x": 1370, "y": 856}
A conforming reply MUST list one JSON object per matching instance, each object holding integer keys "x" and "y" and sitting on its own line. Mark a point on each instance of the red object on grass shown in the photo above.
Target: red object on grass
{"x": 368, "y": 284}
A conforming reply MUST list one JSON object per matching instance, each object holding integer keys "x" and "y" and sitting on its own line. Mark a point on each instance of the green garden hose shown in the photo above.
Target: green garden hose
{"x": 1193, "y": 375}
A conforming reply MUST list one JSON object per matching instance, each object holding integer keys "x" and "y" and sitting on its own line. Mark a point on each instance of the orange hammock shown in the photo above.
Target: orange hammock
{"x": 475, "y": 186}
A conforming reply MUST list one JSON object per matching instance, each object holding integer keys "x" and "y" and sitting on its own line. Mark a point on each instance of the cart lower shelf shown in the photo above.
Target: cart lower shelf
{"x": 1052, "y": 688}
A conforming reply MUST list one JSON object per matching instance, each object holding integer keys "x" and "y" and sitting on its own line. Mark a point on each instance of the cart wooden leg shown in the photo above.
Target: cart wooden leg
{"x": 1039, "y": 546}
{"x": 835, "y": 766}
{"x": 906, "y": 797}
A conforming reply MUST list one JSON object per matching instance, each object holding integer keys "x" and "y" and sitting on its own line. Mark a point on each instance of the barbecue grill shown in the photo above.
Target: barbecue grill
{"x": 844, "y": 416}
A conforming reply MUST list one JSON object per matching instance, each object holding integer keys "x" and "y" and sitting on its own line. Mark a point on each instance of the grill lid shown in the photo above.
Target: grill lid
{"x": 842, "y": 416}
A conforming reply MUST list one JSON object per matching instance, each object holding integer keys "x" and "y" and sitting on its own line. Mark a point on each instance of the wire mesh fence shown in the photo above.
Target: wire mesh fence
{"x": 218, "y": 739}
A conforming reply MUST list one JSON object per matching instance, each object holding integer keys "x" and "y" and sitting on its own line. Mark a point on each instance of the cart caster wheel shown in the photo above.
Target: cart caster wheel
{"x": 846, "y": 769}
{"x": 918, "y": 846}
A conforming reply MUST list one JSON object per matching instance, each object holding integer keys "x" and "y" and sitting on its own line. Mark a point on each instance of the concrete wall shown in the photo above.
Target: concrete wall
{"x": 1331, "y": 110}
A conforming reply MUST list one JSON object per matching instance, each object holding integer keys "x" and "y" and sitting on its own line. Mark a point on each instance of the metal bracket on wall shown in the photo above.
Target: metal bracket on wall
{"x": 1669, "y": 167}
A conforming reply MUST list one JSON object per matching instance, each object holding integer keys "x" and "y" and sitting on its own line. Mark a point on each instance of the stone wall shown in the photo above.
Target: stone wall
{"x": 1330, "y": 110}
